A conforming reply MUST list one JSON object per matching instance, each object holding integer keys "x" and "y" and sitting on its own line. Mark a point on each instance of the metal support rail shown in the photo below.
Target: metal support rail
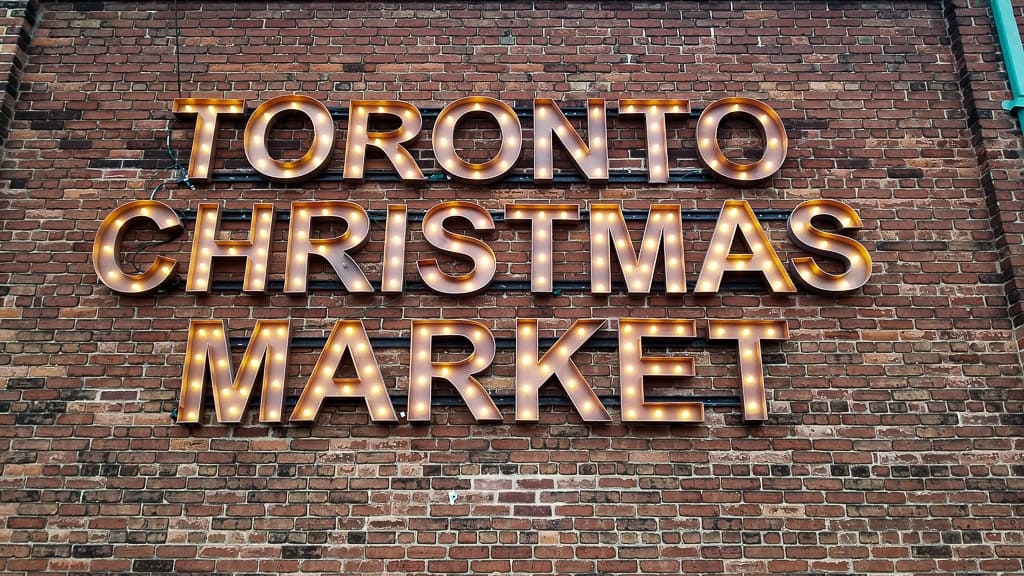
{"x": 602, "y": 343}
{"x": 697, "y": 215}
{"x": 508, "y": 400}
{"x": 433, "y": 112}
{"x": 685, "y": 176}
{"x": 559, "y": 287}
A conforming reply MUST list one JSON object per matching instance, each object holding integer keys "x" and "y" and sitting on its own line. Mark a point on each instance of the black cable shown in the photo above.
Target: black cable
{"x": 177, "y": 49}
{"x": 180, "y": 176}
{"x": 131, "y": 259}
{"x": 133, "y": 256}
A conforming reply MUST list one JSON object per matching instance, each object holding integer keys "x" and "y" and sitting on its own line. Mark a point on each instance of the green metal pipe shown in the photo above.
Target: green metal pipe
{"x": 1013, "y": 54}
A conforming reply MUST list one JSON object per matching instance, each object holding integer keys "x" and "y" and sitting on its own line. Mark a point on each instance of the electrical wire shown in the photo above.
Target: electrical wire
{"x": 177, "y": 48}
{"x": 180, "y": 175}
{"x": 132, "y": 257}
{"x": 134, "y": 254}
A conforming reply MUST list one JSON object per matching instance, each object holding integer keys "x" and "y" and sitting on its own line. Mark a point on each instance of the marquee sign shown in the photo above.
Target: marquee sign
{"x": 819, "y": 227}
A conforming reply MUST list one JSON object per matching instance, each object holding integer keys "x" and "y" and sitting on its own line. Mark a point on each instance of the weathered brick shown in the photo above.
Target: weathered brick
{"x": 894, "y": 410}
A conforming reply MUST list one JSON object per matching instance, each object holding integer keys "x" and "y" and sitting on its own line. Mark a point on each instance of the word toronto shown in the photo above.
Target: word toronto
{"x": 739, "y": 244}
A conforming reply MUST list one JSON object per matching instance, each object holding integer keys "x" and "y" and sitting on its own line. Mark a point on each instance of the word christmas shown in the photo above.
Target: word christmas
{"x": 608, "y": 236}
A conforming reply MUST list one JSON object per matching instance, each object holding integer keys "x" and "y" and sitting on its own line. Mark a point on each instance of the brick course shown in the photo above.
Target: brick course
{"x": 894, "y": 438}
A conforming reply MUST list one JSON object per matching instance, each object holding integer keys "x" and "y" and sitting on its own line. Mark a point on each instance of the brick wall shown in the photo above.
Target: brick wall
{"x": 893, "y": 443}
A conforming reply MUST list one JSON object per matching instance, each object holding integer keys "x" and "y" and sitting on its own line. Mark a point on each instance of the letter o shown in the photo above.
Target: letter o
{"x": 312, "y": 162}
{"x": 773, "y": 134}
{"x": 443, "y": 140}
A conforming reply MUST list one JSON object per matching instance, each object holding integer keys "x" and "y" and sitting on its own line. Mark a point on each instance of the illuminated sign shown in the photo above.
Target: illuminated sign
{"x": 550, "y": 124}
{"x": 739, "y": 244}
